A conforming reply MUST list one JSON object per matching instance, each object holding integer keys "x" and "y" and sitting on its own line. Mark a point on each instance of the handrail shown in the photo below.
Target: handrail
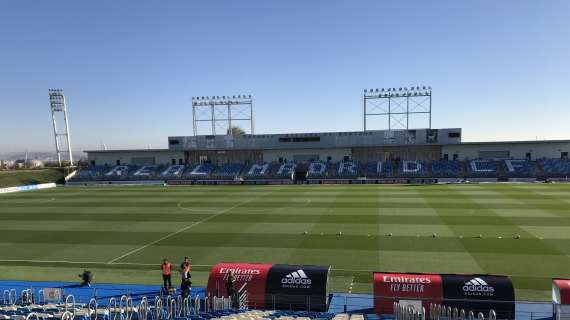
{"x": 130, "y": 307}
{"x": 112, "y": 308}
{"x": 158, "y": 307}
{"x": 67, "y": 316}
{"x": 41, "y": 296}
{"x": 143, "y": 309}
{"x": 70, "y": 299}
{"x": 32, "y": 314}
{"x": 197, "y": 305}
{"x": 13, "y": 296}
{"x": 179, "y": 306}
{"x": 123, "y": 307}
{"x": 92, "y": 308}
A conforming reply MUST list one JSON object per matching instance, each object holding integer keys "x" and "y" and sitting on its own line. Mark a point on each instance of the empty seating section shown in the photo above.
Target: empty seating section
{"x": 198, "y": 171}
{"x": 258, "y": 170}
{"x": 447, "y": 169}
{"x": 172, "y": 172}
{"x": 555, "y": 167}
{"x": 317, "y": 170}
{"x": 515, "y": 168}
{"x": 284, "y": 170}
{"x": 379, "y": 169}
{"x": 90, "y": 173}
{"x": 348, "y": 169}
{"x": 519, "y": 168}
{"x": 228, "y": 171}
{"x": 482, "y": 168}
{"x": 412, "y": 168}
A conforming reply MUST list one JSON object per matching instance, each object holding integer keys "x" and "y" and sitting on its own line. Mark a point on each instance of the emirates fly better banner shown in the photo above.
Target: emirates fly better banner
{"x": 404, "y": 288}
{"x": 277, "y": 286}
{"x": 470, "y": 292}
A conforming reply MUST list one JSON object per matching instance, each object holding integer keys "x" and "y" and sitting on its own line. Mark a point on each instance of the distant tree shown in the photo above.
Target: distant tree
{"x": 236, "y": 131}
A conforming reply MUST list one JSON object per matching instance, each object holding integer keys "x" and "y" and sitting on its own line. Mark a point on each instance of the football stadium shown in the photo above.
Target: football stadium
{"x": 328, "y": 200}
{"x": 401, "y": 223}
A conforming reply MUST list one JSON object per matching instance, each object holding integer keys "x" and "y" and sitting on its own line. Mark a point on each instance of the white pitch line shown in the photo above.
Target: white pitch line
{"x": 91, "y": 262}
{"x": 183, "y": 229}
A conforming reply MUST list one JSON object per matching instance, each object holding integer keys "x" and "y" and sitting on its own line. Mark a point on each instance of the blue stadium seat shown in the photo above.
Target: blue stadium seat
{"x": 228, "y": 171}
{"x": 447, "y": 169}
{"x": 555, "y": 168}
{"x": 348, "y": 170}
{"x": 413, "y": 168}
{"x": 482, "y": 168}
{"x": 519, "y": 168}
{"x": 318, "y": 170}
{"x": 199, "y": 171}
{"x": 378, "y": 169}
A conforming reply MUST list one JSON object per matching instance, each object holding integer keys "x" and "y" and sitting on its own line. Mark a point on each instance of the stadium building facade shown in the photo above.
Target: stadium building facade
{"x": 383, "y": 156}
{"x": 382, "y": 145}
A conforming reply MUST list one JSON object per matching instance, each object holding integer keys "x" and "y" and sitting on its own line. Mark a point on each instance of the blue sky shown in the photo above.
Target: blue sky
{"x": 499, "y": 69}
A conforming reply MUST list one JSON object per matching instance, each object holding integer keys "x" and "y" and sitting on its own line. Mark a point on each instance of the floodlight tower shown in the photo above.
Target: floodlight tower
{"x": 58, "y": 106}
{"x": 397, "y": 105}
{"x": 222, "y": 109}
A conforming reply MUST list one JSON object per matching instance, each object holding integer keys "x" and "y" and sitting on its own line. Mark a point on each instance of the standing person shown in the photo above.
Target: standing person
{"x": 166, "y": 273}
{"x": 185, "y": 283}
{"x": 230, "y": 285}
{"x": 185, "y": 268}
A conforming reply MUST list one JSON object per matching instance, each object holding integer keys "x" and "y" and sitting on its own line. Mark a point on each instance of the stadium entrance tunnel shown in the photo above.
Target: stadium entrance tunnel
{"x": 300, "y": 175}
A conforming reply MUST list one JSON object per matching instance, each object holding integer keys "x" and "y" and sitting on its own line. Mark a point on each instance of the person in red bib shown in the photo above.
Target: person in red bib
{"x": 166, "y": 273}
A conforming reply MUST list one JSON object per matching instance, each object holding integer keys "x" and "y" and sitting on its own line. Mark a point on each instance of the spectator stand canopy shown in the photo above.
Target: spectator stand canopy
{"x": 275, "y": 286}
{"x": 561, "y": 298}
{"x": 477, "y": 293}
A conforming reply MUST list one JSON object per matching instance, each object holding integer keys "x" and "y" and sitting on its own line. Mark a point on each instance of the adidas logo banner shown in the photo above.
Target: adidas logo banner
{"x": 292, "y": 285}
{"x": 480, "y": 292}
{"x": 279, "y": 286}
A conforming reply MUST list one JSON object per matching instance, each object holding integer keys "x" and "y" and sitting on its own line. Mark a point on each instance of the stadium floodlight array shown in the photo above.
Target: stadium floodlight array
{"x": 221, "y": 100}
{"x": 238, "y": 108}
{"x": 57, "y": 106}
{"x": 398, "y": 92}
{"x": 397, "y": 105}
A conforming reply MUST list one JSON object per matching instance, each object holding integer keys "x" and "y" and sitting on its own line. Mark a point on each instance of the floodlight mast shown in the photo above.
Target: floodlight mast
{"x": 393, "y": 104}
{"x": 58, "y": 105}
{"x": 207, "y": 106}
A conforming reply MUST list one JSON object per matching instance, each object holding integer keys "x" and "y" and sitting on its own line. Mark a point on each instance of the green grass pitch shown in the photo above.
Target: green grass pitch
{"x": 122, "y": 233}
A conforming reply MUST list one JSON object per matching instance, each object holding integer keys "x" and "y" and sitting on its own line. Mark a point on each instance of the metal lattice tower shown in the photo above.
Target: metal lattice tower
{"x": 397, "y": 105}
{"x": 58, "y": 106}
{"x": 221, "y": 112}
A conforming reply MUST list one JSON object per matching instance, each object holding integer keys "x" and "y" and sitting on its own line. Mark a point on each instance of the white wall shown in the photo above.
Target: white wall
{"x": 517, "y": 150}
{"x": 110, "y": 157}
{"x": 336, "y": 154}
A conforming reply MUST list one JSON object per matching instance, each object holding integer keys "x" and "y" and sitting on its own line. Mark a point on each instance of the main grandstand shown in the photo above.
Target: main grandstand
{"x": 383, "y": 156}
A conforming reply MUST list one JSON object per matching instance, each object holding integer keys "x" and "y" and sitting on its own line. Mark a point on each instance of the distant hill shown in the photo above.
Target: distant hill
{"x": 43, "y": 156}
{"x": 13, "y": 178}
